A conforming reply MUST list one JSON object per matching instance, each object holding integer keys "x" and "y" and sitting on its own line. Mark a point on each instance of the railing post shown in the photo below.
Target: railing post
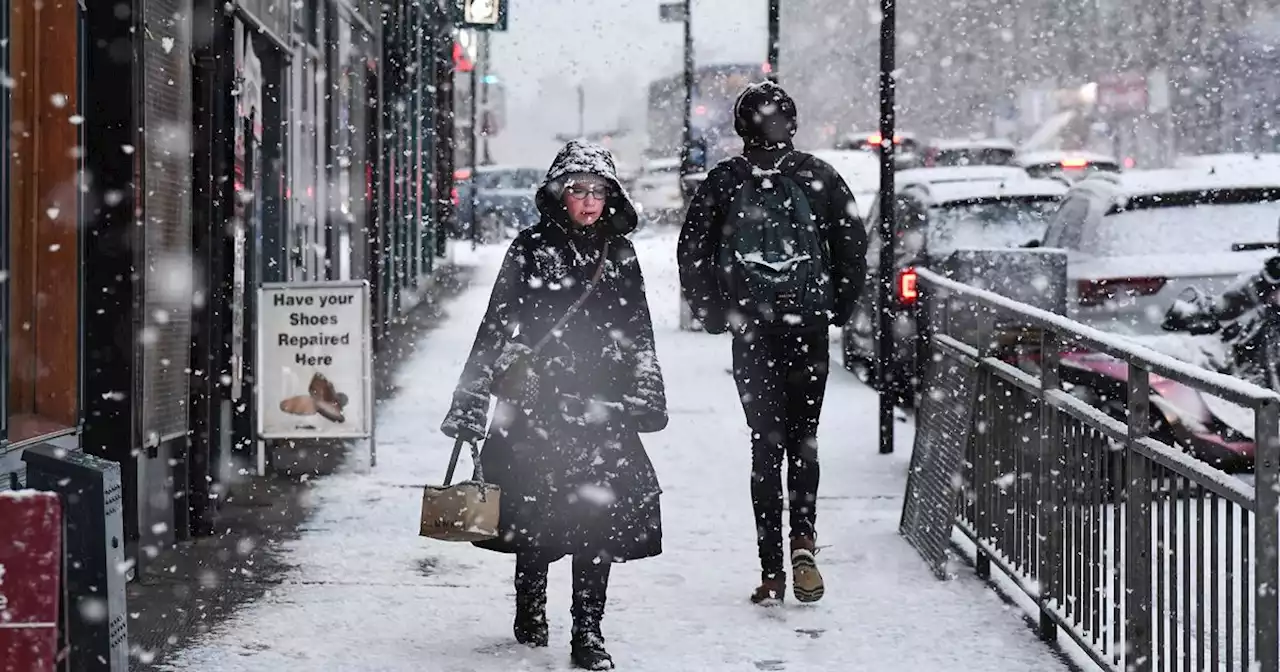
{"x": 1048, "y": 508}
{"x": 985, "y": 523}
{"x": 1137, "y": 549}
{"x": 1266, "y": 468}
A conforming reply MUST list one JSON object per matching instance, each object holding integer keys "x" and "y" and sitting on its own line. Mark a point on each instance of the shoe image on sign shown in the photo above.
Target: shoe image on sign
{"x": 322, "y": 399}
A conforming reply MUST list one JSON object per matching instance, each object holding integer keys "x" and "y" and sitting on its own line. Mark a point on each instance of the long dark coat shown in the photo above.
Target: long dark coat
{"x": 574, "y": 475}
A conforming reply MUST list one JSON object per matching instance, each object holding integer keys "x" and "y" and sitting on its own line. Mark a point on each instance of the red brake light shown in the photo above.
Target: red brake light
{"x": 876, "y": 139}
{"x": 453, "y": 194}
{"x": 908, "y": 291}
{"x": 462, "y": 174}
{"x": 1075, "y": 163}
{"x": 1098, "y": 292}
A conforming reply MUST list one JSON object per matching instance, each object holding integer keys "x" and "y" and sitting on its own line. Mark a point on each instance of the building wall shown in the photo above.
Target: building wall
{"x": 41, "y": 246}
{"x": 160, "y": 166}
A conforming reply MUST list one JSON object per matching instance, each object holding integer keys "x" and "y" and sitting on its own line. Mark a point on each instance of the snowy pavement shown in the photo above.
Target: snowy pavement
{"x": 367, "y": 594}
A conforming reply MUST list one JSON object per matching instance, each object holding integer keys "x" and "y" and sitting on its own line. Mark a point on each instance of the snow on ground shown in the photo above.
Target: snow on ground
{"x": 368, "y": 594}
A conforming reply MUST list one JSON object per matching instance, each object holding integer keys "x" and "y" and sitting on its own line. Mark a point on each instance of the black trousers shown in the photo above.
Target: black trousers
{"x": 590, "y": 586}
{"x": 782, "y": 378}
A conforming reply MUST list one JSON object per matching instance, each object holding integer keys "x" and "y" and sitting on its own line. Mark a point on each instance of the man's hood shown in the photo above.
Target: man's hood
{"x": 765, "y": 116}
{"x": 580, "y": 157}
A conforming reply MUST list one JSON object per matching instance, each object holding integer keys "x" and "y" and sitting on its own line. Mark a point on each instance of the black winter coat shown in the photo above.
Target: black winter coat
{"x": 574, "y": 475}
{"x": 707, "y": 223}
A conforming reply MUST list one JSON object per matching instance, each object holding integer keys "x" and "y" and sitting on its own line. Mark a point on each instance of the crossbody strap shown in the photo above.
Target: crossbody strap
{"x": 577, "y": 305}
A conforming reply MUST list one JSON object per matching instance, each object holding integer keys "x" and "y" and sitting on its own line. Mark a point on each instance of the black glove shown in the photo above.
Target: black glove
{"x": 467, "y": 418}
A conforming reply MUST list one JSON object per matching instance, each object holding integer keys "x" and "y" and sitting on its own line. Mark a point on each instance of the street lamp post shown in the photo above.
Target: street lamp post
{"x": 473, "y": 134}
{"x": 885, "y": 286}
{"x": 686, "y": 144}
{"x": 774, "y": 10}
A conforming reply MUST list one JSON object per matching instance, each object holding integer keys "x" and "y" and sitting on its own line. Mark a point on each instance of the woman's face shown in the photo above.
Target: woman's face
{"x": 584, "y": 198}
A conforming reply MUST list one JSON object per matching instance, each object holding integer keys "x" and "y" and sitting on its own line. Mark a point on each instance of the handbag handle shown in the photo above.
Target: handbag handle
{"x": 577, "y": 305}
{"x": 477, "y": 475}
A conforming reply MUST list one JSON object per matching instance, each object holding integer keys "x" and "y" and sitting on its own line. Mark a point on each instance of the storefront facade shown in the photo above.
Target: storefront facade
{"x": 41, "y": 242}
{"x": 408, "y": 243}
{"x": 255, "y": 147}
{"x": 90, "y": 201}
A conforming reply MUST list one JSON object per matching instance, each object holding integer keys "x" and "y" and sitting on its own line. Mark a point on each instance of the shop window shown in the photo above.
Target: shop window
{"x": 44, "y": 275}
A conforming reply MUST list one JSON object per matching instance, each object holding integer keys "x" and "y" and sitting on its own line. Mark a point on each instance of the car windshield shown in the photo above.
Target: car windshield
{"x": 1185, "y": 229}
{"x": 1007, "y": 222}
{"x": 974, "y": 156}
{"x": 509, "y": 179}
{"x": 1045, "y": 170}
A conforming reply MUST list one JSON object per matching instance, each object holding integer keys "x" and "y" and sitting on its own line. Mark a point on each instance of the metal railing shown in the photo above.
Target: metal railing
{"x": 1146, "y": 557}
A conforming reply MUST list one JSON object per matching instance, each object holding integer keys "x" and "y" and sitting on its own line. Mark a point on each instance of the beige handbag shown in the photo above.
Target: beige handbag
{"x": 467, "y": 511}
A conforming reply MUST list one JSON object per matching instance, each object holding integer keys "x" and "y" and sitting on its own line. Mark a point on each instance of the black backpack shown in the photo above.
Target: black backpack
{"x": 774, "y": 257}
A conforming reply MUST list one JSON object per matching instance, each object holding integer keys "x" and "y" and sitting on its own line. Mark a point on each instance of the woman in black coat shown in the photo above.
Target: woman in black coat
{"x": 566, "y": 450}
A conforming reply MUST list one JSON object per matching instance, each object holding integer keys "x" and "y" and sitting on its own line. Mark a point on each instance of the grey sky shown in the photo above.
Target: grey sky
{"x": 616, "y": 47}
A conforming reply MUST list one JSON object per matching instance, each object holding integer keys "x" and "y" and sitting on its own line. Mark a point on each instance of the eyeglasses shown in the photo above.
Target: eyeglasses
{"x": 580, "y": 193}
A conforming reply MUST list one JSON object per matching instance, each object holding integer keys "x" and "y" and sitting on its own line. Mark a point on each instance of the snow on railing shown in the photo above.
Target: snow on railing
{"x": 1098, "y": 502}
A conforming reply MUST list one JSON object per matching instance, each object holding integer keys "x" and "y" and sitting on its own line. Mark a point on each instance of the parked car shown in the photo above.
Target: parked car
{"x": 1134, "y": 241}
{"x": 860, "y": 171}
{"x": 1133, "y": 244}
{"x": 1068, "y": 165}
{"x": 970, "y": 152}
{"x": 657, "y": 192}
{"x": 500, "y": 199}
{"x": 934, "y": 220}
{"x": 908, "y": 147}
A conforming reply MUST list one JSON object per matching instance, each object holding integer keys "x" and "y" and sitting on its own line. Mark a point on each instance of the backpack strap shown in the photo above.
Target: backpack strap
{"x": 792, "y": 163}
{"x": 741, "y": 167}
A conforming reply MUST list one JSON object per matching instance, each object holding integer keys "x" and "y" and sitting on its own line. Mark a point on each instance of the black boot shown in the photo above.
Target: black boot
{"x": 531, "y": 601}
{"x": 590, "y": 590}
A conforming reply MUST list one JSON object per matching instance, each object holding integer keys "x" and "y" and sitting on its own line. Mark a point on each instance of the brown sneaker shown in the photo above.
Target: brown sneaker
{"x": 771, "y": 592}
{"x": 807, "y": 582}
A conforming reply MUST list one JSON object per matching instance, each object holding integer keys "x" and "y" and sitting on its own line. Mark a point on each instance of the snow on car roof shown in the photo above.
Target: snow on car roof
{"x": 979, "y": 143}
{"x": 950, "y": 192}
{"x": 958, "y": 174}
{"x": 1050, "y": 156}
{"x": 1182, "y": 180}
{"x": 1229, "y": 161}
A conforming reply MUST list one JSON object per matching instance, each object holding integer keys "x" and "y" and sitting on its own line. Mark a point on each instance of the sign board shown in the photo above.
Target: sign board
{"x": 1123, "y": 93}
{"x": 672, "y": 12}
{"x": 945, "y": 420}
{"x": 484, "y": 15}
{"x": 315, "y": 365}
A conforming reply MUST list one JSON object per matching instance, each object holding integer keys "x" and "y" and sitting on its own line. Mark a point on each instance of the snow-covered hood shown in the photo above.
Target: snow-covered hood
{"x": 585, "y": 157}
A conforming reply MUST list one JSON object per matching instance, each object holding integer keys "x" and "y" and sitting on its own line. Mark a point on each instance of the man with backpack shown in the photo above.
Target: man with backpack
{"x": 772, "y": 250}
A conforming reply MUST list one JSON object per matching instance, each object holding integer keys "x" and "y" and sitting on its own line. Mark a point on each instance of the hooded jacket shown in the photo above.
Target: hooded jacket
{"x": 599, "y": 385}
{"x": 765, "y": 118}
{"x": 606, "y": 351}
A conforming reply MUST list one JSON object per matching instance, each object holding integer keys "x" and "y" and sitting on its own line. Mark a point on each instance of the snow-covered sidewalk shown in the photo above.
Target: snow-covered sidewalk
{"x": 368, "y": 594}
